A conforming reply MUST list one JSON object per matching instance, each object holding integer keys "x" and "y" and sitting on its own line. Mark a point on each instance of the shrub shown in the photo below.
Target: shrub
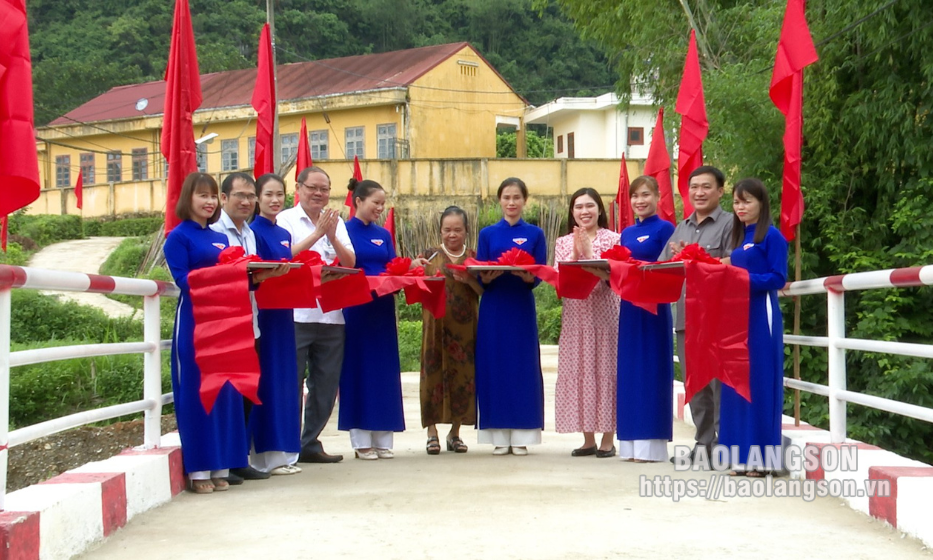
{"x": 37, "y": 317}
{"x": 41, "y": 392}
{"x": 127, "y": 258}
{"x": 14, "y": 255}
{"x": 409, "y": 345}
{"x": 128, "y": 227}
{"x": 45, "y": 229}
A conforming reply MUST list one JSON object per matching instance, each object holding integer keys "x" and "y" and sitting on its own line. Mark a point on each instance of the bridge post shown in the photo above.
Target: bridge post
{"x": 152, "y": 372}
{"x": 836, "y": 331}
{"x": 5, "y": 311}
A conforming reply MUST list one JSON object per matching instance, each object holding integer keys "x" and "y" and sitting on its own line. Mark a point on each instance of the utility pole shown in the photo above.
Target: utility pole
{"x": 276, "y": 138}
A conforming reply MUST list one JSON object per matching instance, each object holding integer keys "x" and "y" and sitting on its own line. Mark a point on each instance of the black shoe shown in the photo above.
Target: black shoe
{"x": 249, "y": 473}
{"x": 583, "y": 451}
{"x": 319, "y": 457}
{"x": 688, "y": 458}
{"x": 234, "y": 480}
{"x": 600, "y": 454}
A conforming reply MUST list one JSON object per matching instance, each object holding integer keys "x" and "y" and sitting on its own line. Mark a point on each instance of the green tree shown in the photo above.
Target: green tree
{"x": 536, "y": 146}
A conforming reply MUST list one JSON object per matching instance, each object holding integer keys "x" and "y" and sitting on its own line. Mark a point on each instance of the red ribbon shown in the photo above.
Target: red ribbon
{"x": 346, "y": 290}
{"x": 431, "y": 295}
{"x": 519, "y": 258}
{"x": 224, "y": 342}
{"x": 295, "y": 289}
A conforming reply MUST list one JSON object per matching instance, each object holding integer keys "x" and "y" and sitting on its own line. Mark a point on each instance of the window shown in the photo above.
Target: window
{"x": 251, "y": 148}
{"x": 202, "y": 157}
{"x": 636, "y": 136}
{"x": 229, "y": 155}
{"x": 570, "y": 152}
{"x": 87, "y": 169}
{"x": 355, "y": 142}
{"x": 318, "y": 144}
{"x": 140, "y": 164}
{"x": 385, "y": 136}
{"x": 62, "y": 171}
{"x": 114, "y": 167}
{"x": 289, "y": 146}
{"x": 560, "y": 144}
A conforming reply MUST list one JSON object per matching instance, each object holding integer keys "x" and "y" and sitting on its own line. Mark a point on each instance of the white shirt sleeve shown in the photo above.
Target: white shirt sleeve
{"x": 343, "y": 237}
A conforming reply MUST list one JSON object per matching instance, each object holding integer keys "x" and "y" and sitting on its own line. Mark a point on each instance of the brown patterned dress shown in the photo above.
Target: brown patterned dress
{"x": 448, "y": 390}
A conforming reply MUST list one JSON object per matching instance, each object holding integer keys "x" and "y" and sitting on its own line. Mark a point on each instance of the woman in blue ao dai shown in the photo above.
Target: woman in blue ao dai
{"x": 645, "y": 363}
{"x": 509, "y": 385}
{"x": 370, "y": 381}
{"x": 274, "y": 426}
{"x": 216, "y": 442}
{"x": 759, "y": 248}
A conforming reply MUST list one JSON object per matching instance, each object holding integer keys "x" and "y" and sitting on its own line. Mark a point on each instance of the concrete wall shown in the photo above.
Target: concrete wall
{"x": 406, "y": 182}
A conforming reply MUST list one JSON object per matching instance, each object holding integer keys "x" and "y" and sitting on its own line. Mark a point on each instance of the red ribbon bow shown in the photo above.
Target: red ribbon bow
{"x": 515, "y": 257}
{"x": 695, "y": 253}
{"x": 618, "y": 253}
{"x": 401, "y": 266}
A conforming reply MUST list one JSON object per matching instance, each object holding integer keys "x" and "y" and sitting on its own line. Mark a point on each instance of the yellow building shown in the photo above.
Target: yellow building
{"x": 437, "y": 102}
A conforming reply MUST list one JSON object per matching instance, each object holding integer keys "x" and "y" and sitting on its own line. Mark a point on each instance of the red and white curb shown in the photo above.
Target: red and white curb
{"x": 62, "y": 516}
{"x": 905, "y": 508}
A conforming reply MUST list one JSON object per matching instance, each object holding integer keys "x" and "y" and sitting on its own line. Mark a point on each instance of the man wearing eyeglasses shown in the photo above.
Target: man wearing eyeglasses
{"x": 319, "y": 336}
{"x": 238, "y": 201}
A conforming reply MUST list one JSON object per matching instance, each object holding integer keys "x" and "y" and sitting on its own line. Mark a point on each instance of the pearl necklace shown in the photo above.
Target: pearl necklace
{"x": 453, "y": 257}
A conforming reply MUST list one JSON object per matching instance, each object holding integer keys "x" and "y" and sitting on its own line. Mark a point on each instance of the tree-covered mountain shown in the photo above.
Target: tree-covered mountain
{"x": 82, "y": 48}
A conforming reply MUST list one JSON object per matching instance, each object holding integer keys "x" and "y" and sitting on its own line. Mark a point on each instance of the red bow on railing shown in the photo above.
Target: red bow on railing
{"x": 224, "y": 342}
{"x": 399, "y": 275}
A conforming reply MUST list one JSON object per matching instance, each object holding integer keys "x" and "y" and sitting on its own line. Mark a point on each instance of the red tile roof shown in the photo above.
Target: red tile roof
{"x": 299, "y": 80}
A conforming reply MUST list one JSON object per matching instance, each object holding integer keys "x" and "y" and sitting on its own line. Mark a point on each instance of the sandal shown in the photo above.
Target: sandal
{"x": 433, "y": 447}
{"x": 456, "y": 445}
{"x": 201, "y": 486}
{"x": 755, "y": 474}
{"x": 220, "y": 484}
{"x": 737, "y": 473}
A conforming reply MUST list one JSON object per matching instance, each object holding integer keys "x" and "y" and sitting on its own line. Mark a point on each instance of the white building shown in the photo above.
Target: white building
{"x": 594, "y": 127}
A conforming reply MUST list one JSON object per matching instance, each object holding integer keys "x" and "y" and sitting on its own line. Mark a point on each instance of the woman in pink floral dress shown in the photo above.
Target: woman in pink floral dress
{"x": 586, "y": 367}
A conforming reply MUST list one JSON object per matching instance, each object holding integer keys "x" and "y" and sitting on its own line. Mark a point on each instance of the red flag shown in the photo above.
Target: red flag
{"x": 658, "y": 165}
{"x": 624, "y": 218}
{"x": 390, "y": 226}
{"x": 79, "y": 190}
{"x": 795, "y": 52}
{"x": 182, "y": 98}
{"x": 304, "y": 155}
{"x": 358, "y": 175}
{"x": 264, "y": 102}
{"x": 19, "y": 164}
{"x": 694, "y": 125}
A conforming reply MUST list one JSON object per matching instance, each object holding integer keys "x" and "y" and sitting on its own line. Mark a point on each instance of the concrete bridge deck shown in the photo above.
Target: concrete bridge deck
{"x": 545, "y": 505}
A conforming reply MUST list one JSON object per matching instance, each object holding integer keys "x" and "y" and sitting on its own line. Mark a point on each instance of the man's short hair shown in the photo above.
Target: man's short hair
{"x": 303, "y": 176}
{"x": 227, "y": 185}
{"x": 710, "y": 170}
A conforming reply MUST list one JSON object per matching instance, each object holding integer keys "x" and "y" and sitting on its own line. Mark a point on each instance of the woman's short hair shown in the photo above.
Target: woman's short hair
{"x": 601, "y": 221}
{"x": 513, "y": 182}
{"x": 192, "y": 183}
{"x": 363, "y": 189}
{"x": 455, "y": 211}
{"x": 645, "y": 181}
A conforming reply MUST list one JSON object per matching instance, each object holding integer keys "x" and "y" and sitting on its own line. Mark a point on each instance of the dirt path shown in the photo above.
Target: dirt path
{"x": 82, "y": 255}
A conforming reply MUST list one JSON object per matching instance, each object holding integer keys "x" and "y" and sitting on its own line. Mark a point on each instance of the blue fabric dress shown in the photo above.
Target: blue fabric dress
{"x": 275, "y": 425}
{"x": 646, "y": 347}
{"x": 759, "y": 423}
{"x": 370, "y": 381}
{"x": 214, "y": 441}
{"x": 509, "y": 385}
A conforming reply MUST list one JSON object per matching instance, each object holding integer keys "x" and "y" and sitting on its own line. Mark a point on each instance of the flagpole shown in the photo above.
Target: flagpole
{"x": 276, "y": 139}
{"x": 797, "y": 278}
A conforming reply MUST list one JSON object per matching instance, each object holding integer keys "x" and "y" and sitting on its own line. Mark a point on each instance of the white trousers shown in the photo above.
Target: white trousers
{"x": 509, "y": 438}
{"x": 644, "y": 449}
{"x": 365, "y": 439}
{"x": 268, "y": 460}
{"x": 206, "y": 475}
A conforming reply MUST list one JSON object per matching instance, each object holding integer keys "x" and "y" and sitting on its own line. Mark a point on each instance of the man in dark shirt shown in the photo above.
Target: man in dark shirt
{"x": 710, "y": 227}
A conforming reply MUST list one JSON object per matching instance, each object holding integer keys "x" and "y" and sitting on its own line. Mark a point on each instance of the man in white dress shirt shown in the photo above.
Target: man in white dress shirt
{"x": 238, "y": 201}
{"x": 319, "y": 336}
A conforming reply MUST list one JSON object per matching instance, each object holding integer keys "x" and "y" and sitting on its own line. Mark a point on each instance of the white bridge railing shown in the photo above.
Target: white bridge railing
{"x": 151, "y": 404}
{"x": 152, "y": 399}
{"x": 837, "y": 343}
